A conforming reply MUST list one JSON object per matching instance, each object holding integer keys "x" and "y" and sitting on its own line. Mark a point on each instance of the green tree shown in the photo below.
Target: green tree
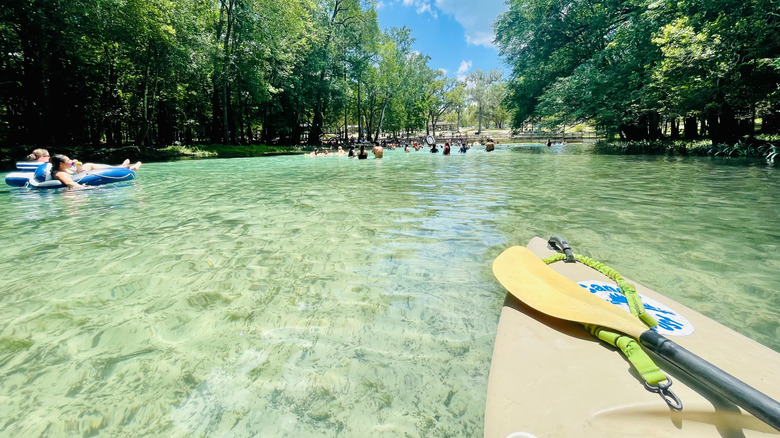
{"x": 627, "y": 66}
{"x": 718, "y": 63}
{"x": 337, "y": 18}
{"x": 478, "y": 84}
{"x": 408, "y": 110}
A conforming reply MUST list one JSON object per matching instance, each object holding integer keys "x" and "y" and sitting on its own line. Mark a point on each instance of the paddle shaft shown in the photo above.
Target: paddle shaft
{"x": 717, "y": 380}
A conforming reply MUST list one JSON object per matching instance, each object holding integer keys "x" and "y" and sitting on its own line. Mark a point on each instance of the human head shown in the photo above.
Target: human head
{"x": 41, "y": 155}
{"x": 59, "y": 162}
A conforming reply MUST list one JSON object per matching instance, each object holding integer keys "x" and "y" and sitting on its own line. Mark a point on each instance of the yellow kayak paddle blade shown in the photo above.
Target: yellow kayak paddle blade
{"x": 539, "y": 286}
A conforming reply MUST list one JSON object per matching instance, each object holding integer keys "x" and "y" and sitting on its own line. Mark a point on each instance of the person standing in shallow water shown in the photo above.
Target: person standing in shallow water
{"x": 362, "y": 154}
{"x": 446, "y": 150}
{"x": 378, "y": 150}
{"x": 549, "y": 143}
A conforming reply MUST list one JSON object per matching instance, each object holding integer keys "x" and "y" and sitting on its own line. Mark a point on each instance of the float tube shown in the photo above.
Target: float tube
{"x": 550, "y": 376}
{"x": 37, "y": 175}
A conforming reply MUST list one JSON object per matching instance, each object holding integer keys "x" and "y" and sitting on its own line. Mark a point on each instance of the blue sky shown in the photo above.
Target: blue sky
{"x": 456, "y": 34}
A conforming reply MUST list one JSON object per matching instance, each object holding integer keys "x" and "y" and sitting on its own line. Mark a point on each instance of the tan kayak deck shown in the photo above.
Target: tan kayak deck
{"x": 550, "y": 378}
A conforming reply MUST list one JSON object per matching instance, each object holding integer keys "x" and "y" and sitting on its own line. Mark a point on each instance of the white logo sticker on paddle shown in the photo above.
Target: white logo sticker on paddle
{"x": 670, "y": 323}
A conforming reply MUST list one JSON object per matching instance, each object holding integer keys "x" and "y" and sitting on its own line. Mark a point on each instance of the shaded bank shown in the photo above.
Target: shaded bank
{"x": 760, "y": 147}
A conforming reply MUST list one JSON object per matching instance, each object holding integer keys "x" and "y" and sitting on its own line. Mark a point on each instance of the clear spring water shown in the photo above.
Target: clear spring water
{"x": 300, "y": 297}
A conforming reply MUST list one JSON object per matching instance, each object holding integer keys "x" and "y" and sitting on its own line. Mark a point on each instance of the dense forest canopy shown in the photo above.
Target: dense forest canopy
{"x": 631, "y": 66}
{"x": 156, "y": 72}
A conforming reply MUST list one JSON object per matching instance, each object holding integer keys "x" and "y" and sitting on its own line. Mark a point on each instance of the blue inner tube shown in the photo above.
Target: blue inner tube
{"x": 96, "y": 177}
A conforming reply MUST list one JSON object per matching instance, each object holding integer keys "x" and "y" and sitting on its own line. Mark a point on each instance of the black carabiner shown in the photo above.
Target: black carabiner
{"x": 558, "y": 243}
{"x": 669, "y": 397}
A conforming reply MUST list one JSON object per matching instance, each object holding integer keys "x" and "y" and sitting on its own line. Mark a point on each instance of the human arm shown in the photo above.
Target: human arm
{"x": 66, "y": 179}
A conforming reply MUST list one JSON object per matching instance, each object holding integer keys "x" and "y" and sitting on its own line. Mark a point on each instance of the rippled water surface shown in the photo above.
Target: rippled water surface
{"x": 289, "y": 296}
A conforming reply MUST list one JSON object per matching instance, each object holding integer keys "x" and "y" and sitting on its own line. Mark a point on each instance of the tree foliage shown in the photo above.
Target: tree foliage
{"x": 629, "y": 66}
{"x": 156, "y": 72}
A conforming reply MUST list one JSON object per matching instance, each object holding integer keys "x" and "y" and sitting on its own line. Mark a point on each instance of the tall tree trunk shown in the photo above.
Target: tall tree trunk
{"x": 216, "y": 100}
{"x": 359, "y": 115}
{"x": 479, "y": 111}
{"x": 264, "y": 134}
{"x": 370, "y": 123}
{"x": 713, "y": 126}
{"x": 675, "y": 127}
{"x": 315, "y": 131}
{"x": 346, "y": 127}
{"x": 226, "y": 134}
{"x": 654, "y": 126}
{"x": 144, "y": 133}
{"x": 381, "y": 120}
{"x": 690, "y": 127}
{"x": 110, "y": 104}
{"x": 225, "y": 124}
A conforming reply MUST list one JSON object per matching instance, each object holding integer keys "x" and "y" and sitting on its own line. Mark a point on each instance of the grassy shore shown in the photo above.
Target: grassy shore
{"x": 224, "y": 151}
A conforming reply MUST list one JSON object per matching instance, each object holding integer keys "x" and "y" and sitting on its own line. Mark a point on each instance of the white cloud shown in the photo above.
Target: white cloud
{"x": 464, "y": 67}
{"x": 421, "y": 6}
{"x": 425, "y": 7}
{"x": 476, "y": 18}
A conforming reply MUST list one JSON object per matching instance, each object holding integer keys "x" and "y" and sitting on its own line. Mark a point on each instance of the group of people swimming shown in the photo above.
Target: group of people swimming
{"x": 378, "y": 150}
{"x": 62, "y": 167}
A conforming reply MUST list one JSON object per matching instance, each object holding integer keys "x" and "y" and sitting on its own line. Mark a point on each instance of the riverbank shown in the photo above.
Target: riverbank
{"x": 757, "y": 147}
{"x": 754, "y": 147}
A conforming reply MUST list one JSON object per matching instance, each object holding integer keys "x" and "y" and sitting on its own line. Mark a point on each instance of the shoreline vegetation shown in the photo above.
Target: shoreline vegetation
{"x": 759, "y": 147}
{"x": 751, "y": 147}
{"x": 647, "y": 72}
